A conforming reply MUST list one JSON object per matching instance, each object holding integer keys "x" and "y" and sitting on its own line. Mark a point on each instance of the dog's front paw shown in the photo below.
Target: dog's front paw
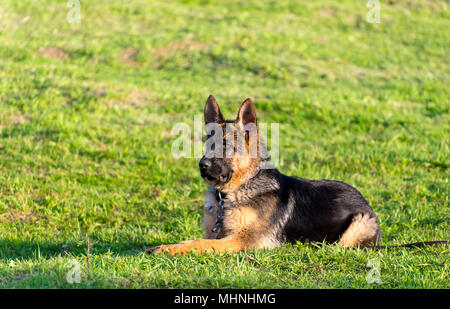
{"x": 151, "y": 250}
{"x": 170, "y": 249}
{"x": 157, "y": 249}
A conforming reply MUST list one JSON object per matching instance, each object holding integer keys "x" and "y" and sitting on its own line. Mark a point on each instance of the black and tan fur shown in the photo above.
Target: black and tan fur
{"x": 264, "y": 208}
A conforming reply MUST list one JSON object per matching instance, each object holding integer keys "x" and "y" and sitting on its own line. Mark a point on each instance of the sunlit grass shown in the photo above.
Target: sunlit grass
{"x": 86, "y": 112}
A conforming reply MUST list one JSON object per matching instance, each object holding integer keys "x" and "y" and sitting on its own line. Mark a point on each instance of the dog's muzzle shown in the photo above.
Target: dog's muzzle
{"x": 214, "y": 171}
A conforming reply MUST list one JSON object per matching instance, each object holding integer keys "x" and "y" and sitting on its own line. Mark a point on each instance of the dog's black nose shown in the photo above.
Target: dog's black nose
{"x": 204, "y": 163}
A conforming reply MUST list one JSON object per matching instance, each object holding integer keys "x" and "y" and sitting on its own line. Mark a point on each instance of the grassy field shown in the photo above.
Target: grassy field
{"x": 86, "y": 112}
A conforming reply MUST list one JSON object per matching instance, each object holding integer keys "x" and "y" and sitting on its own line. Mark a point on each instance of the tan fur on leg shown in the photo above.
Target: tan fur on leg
{"x": 227, "y": 244}
{"x": 241, "y": 225}
{"x": 362, "y": 231}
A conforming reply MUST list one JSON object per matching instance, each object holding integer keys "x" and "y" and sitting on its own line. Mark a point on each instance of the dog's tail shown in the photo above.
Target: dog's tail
{"x": 420, "y": 244}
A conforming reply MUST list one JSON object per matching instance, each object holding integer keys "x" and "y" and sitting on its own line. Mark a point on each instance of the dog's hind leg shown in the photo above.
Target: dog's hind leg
{"x": 363, "y": 230}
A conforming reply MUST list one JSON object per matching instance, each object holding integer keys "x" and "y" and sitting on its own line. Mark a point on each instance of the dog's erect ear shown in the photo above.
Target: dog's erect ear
{"x": 247, "y": 113}
{"x": 212, "y": 111}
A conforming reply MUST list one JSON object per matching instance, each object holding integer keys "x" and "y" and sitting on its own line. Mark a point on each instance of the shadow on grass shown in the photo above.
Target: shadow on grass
{"x": 17, "y": 249}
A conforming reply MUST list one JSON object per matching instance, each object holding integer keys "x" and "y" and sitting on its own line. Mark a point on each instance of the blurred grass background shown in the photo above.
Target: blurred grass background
{"x": 86, "y": 111}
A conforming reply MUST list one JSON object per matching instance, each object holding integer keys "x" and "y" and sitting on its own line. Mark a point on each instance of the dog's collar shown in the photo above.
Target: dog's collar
{"x": 220, "y": 195}
{"x": 219, "y": 219}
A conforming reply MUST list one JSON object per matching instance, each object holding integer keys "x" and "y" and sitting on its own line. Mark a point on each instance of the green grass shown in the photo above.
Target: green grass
{"x": 86, "y": 112}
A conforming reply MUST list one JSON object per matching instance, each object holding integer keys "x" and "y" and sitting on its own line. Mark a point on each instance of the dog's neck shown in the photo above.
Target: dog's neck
{"x": 262, "y": 182}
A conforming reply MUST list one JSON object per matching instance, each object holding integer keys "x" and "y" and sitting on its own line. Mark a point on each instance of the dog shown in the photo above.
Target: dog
{"x": 248, "y": 207}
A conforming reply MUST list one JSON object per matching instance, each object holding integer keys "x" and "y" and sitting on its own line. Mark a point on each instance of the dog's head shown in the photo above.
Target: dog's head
{"x": 232, "y": 147}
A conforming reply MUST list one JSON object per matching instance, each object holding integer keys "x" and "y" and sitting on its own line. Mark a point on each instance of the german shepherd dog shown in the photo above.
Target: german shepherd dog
{"x": 248, "y": 207}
